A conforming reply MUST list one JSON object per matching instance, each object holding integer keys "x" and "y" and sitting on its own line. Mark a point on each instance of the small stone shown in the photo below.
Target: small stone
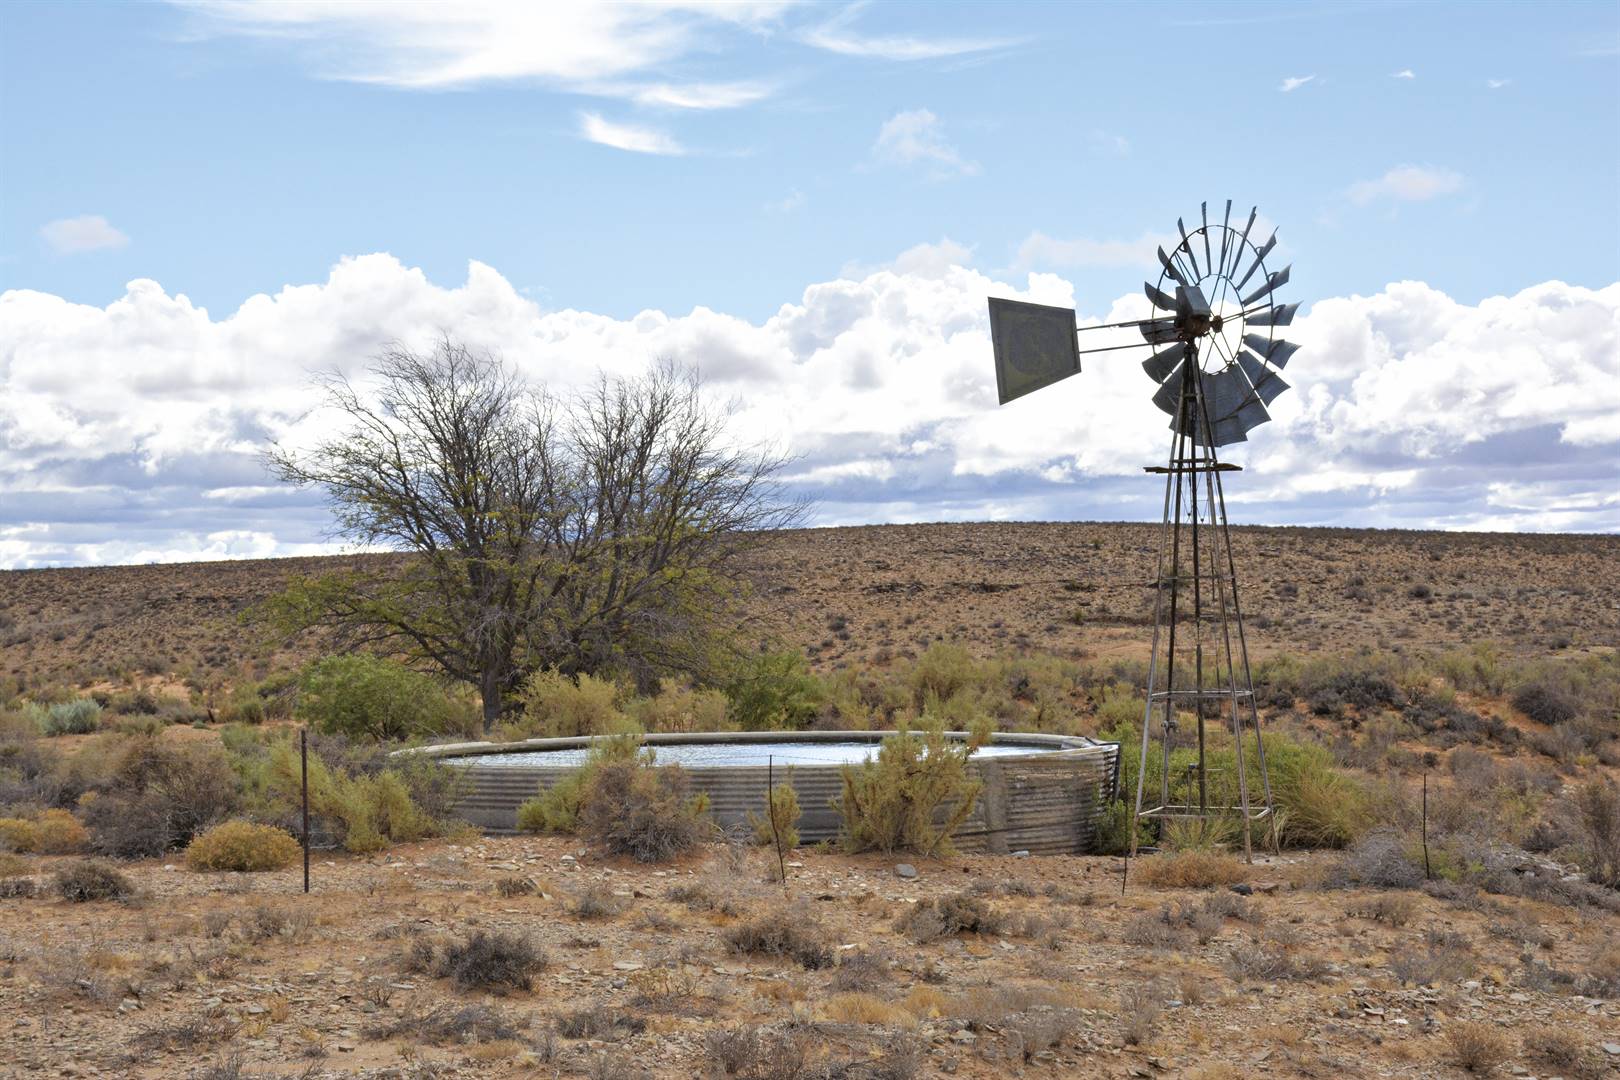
{"x": 1612, "y": 1049}
{"x": 964, "y": 1036}
{"x": 905, "y": 870}
{"x": 1021, "y": 854}
{"x": 1242, "y": 889}
{"x": 626, "y": 965}
{"x": 568, "y": 862}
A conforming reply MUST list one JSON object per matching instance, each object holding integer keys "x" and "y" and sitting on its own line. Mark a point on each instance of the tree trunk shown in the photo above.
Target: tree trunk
{"x": 490, "y": 688}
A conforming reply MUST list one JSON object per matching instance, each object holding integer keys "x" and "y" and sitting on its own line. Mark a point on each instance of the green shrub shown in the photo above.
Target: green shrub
{"x": 559, "y": 706}
{"x": 242, "y": 846}
{"x": 943, "y": 671}
{"x": 774, "y": 692}
{"x": 367, "y": 811}
{"x": 363, "y": 696}
{"x": 89, "y": 880}
{"x": 78, "y": 717}
{"x": 912, "y": 796}
{"x": 642, "y": 810}
{"x": 556, "y": 809}
{"x": 777, "y": 827}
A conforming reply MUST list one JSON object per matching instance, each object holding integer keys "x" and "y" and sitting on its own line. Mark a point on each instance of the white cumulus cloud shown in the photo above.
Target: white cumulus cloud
{"x": 1294, "y": 82}
{"x": 1407, "y": 183}
{"x": 88, "y": 232}
{"x": 916, "y": 136}
{"x": 132, "y": 432}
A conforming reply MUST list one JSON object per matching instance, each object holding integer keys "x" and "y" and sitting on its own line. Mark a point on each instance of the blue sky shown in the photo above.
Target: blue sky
{"x": 201, "y": 202}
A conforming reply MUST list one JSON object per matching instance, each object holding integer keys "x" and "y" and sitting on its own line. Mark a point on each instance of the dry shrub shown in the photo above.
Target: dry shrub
{"x": 1139, "y": 1010}
{"x": 643, "y": 811}
{"x": 1563, "y": 1051}
{"x": 59, "y": 833}
{"x": 515, "y": 886}
{"x": 777, "y": 827}
{"x": 1191, "y": 870}
{"x": 242, "y": 846}
{"x": 862, "y": 1008}
{"x": 860, "y": 971}
{"x": 599, "y": 1022}
{"x": 946, "y": 916}
{"x": 786, "y": 932}
{"x": 90, "y": 880}
{"x": 751, "y": 1053}
{"x": 18, "y": 834}
{"x": 1477, "y": 1047}
{"x": 17, "y": 888}
{"x": 1445, "y": 958}
{"x": 1391, "y": 909}
{"x": 596, "y": 902}
{"x": 492, "y": 961}
{"x": 1598, "y": 803}
{"x": 157, "y": 796}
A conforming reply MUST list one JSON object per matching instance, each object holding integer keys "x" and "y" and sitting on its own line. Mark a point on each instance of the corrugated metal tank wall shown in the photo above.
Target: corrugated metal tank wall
{"x": 1047, "y": 802}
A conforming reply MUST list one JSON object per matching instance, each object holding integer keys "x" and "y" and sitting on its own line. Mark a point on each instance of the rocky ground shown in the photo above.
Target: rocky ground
{"x": 871, "y": 594}
{"x": 222, "y": 975}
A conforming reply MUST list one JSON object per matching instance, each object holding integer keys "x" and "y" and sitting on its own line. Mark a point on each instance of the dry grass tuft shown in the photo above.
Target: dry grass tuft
{"x": 859, "y": 1008}
{"x": 783, "y": 932}
{"x": 1477, "y": 1047}
{"x": 1190, "y": 870}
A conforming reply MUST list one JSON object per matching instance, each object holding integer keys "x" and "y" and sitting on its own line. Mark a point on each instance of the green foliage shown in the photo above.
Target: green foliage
{"x": 556, "y": 809}
{"x": 1322, "y": 806}
{"x": 774, "y": 692}
{"x": 363, "y": 696}
{"x": 912, "y": 796}
{"x": 78, "y": 717}
{"x": 242, "y": 846}
{"x": 369, "y": 812}
{"x": 558, "y": 706}
{"x": 777, "y": 827}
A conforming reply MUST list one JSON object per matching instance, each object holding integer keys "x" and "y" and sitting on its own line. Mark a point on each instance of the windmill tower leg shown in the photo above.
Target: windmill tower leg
{"x": 1192, "y": 476}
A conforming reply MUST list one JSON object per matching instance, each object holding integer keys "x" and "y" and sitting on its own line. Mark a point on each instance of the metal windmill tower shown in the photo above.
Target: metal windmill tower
{"x": 1217, "y": 363}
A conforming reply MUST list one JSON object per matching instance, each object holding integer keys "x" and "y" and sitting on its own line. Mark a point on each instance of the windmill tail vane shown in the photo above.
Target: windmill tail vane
{"x": 1216, "y": 361}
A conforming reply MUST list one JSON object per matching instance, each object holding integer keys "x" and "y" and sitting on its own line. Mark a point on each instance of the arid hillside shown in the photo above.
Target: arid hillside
{"x": 875, "y": 593}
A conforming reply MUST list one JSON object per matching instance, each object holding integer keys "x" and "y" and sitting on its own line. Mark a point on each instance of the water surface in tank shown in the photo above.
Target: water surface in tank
{"x": 726, "y": 755}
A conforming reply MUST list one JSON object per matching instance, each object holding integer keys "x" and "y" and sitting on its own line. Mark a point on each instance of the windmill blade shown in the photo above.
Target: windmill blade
{"x": 1281, "y": 315}
{"x": 1157, "y": 298}
{"x": 1272, "y": 282}
{"x": 1224, "y": 393}
{"x": 1226, "y": 234}
{"x": 1203, "y": 209}
{"x": 1225, "y": 432}
{"x": 1159, "y": 331}
{"x": 1161, "y": 364}
{"x": 1170, "y": 267}
{"x": 1169, "y": 394}
{"x": 1251, "y": 416}
{"x": 1267, "y": 383}
{"x": 1275, "y": 353}
{"x": 1243, "y": 241}
{"x": 1259, "y": 257}
{"x": 1186, "y": 245}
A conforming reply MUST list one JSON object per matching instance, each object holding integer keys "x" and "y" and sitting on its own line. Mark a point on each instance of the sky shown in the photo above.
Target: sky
{"x": 204, "y": 203}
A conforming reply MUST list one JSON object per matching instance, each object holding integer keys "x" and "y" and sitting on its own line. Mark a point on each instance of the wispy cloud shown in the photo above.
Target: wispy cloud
{"x": 727, "y": 95}
{"x": 1294, "y": 82}
{"x": 1404, "y": 73}
{"x": 640, "y": 140}
{"x": 1497, "y": 84}
{"x": 88, "y": 232}
{"x": 1407, "y": 183}
{"x": 1040, "y": 250}
{"x": 793, "y": 200}
{"x": 836, "y": 35}
{"x": 917, "y": 137}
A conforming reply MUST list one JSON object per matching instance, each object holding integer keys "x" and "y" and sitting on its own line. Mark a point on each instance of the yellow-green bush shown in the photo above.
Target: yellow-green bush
{"x": 773, "y": 692}
{"x": 778, "y": 825}
{"x": 242, "y": 846}
{"x": 557, "y": 705}
{"x": 363, "y": 696}
{"x": 59, "y": 833}
{"x": 912, "y": 796}
{"x": 373, "y": 811}
{"x": 679, "y": 708}
{"x": 18, "y": 834}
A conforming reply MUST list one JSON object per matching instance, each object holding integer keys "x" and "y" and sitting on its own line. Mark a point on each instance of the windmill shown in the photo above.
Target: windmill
{"x": 1216, "y": 363}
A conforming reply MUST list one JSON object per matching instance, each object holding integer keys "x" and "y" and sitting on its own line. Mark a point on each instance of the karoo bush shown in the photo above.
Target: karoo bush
{"x": 777, "y": 827}
{"x": 242, "y": 846}
{"x": 557, "y": 705}
{"x": 773, "y": 692}
{"x": 368, "y": 812}
{"x": 556, "y": 809}
{"x": 643, "y": 810}
{"x": 913, "y": 796}
{"x": 59, "y": 833}
{"x": 90, "y": 880}
{"x": 365, "y": 696}
{"x": 156, "y": 795}
{"x": 78, "y": 717}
